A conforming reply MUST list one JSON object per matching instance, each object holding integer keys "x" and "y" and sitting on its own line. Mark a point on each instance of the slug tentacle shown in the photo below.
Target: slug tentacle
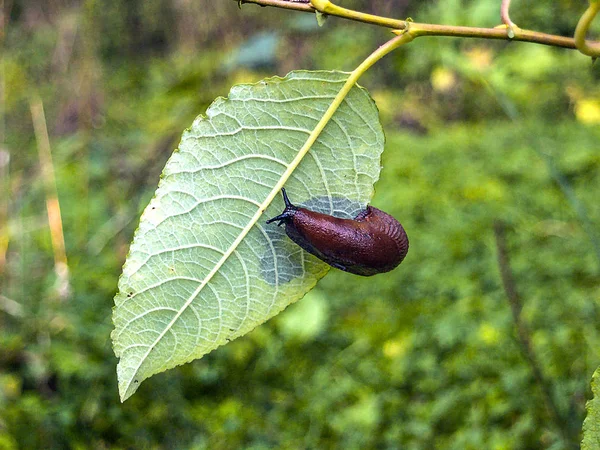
{"x": 287, "y": 214}
{"x": 282, "y": 218}
{"x": 286, "y": 200}
{"x": 371, "y": 243}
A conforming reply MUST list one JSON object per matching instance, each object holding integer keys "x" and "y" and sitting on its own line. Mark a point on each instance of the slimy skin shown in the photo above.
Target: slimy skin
{"x": 371, "y": 243}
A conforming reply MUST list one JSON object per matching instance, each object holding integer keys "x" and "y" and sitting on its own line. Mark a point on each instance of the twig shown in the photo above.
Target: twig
{"x": 298, "y": 6}
{"x": 327, "y": 7}
{"x": 52, "y": 204}
{"x": 332, "y": 10}
{"x": 504, "y": 14}
{"x": 587, "y": 48}
{"x": 516, "y": 306}
{"x": 425, "y": 29}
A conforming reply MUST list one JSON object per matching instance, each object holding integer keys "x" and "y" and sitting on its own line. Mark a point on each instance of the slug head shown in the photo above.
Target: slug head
{"x": 288, "y": 213}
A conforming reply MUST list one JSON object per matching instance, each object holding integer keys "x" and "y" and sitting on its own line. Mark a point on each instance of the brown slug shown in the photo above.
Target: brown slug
{"x": 371, "y": 243}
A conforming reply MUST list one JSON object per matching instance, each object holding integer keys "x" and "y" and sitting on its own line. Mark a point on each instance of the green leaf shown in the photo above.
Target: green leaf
{"x": 591, "y": 424}
{"x": 201, "y": 269}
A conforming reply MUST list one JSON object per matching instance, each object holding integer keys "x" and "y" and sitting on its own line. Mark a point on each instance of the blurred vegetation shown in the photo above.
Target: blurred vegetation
{"x": 478, "y": 132}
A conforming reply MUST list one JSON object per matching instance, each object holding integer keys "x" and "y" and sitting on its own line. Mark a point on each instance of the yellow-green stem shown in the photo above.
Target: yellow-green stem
{"x": 585, "y": 47}
{"x": 337, "y": 101}
{"x": 504, "y": 32}
{"x": 326, "y": 7}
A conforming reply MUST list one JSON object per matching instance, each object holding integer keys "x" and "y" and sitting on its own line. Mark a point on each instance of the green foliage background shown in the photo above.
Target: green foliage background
{"x": 423, "y": 357}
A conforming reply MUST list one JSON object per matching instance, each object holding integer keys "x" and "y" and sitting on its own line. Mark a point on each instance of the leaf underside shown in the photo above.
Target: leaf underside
{"x": 186, "y": 287}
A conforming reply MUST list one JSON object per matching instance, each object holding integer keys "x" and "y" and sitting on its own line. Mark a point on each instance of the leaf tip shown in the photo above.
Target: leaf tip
{"x": 127, "y": 388}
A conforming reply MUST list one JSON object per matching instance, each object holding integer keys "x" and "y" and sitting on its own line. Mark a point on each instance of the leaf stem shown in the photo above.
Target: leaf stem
{"x": 337, "y": 101}
{"x": 587, "y": 48}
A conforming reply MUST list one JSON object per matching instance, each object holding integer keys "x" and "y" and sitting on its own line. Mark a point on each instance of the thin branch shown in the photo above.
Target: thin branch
{"x": 516, "y": 305}
{"x": 332, "y": 10}
{"x": 327, "y": 7}
{"x": 287, "y": 4}
{"x": 424, "y": 29}
{"x": 587, "y": 48}
{"x": 504, "y": 14}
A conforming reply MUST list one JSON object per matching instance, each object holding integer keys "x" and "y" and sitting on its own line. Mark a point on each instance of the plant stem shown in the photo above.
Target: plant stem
{"x": 337, "y": 101}
{"x": 587, "y": 48}
{"x": 505, "y": 16}
{"x": 326, "y": 7}
{"x": 424, "y": 29}
{"x": 504, "y": 13}
{"x": 281, "y": 4}
{"x": 332, "y": 10}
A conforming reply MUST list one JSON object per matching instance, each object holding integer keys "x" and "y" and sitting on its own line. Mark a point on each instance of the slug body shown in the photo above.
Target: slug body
{"x": 371, "y": 243}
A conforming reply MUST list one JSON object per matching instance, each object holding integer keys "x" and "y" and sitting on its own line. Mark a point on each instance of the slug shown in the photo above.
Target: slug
{"x": 371, "y": 243}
